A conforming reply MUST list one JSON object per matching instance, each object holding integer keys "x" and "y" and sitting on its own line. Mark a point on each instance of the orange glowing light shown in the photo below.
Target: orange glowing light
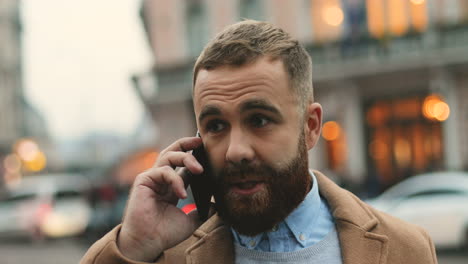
{"x": 378, "y": 149}
{"x": 38, "y": 163}
{"x": 376, "y": 17}
{"x": 331, "y": 131}
{"x": 333, "y": 15}
{"x": 397, "y": 18}
{"x": 417, "y": 2}
{"x": 418, "y": 11}
{"x": 434, "y": 108}
{"x": 149, "y": 159}
{"x": 441, "y": 111}
{"x": 402, "y": 152}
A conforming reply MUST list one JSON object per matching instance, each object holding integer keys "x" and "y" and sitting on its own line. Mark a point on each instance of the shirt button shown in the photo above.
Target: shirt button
{"x": 252, "y": 243}
{"x": 275, "y": 228}
{"x": 302, "y": 237}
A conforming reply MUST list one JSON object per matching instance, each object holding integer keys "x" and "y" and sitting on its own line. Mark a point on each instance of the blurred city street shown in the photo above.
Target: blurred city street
{"x": 59, "y": 251}
{"x": 66, "y": 251}
{"x": 90, "y": 98}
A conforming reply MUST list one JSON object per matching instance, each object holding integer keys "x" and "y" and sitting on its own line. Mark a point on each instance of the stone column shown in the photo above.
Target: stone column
{"x": 443, "y": 83}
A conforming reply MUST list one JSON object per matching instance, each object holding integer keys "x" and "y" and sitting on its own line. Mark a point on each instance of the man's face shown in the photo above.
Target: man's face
{"x": 253, "y": 132}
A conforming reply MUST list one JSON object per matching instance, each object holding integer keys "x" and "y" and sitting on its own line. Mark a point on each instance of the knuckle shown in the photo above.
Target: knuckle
{"x": 141, "y": 177}
{"x": 167, "y": 169}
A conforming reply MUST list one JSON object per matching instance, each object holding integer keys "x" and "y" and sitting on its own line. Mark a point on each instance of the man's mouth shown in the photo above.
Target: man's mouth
{"x": 247, "y": 187}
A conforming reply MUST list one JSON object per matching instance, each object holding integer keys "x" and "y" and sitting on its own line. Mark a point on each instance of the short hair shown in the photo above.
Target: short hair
{"x": 246, "y": 41}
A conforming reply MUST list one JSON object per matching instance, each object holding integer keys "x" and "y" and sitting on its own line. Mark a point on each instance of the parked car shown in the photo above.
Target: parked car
{"x": 438, "y": 202}
{"x": 45, "y": 206}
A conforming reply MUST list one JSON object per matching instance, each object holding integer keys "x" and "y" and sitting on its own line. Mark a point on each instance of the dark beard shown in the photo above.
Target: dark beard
{"x": 286, "y": 188}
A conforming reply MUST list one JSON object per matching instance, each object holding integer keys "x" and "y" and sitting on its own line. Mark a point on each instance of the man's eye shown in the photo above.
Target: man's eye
{"x": 259, "y": 120}
{"x": 215, "y": 126}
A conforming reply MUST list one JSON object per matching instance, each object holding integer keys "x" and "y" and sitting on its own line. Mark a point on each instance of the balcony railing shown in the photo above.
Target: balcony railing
{"x": 366, "y": 55}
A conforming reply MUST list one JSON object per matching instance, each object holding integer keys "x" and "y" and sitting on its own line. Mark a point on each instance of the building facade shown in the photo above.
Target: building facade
{"x": 391, "y": 75}
{"x": 20, "y": 122}
{"x": 11, "y": 91}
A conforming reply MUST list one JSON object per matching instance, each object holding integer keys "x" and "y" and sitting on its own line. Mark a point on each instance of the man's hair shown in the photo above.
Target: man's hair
{"x": 246, "y": 41}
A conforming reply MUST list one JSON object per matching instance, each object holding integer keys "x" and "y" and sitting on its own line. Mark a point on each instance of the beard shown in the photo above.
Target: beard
{"x": 284, "y": 189}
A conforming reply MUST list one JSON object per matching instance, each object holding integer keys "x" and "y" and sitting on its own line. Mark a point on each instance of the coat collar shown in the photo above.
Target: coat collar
{"x": 355, "y": 224}
{"x": 212, "y": 241}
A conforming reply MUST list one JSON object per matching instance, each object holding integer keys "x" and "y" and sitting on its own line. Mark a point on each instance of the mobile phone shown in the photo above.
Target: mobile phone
{"x": 202, "y": 185}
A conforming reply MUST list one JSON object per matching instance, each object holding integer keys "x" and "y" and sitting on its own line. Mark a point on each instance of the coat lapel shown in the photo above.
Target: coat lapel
{"x": 361, "y": 247}
{"x": 214, "y": 244}
{"x": 354, "y": 222}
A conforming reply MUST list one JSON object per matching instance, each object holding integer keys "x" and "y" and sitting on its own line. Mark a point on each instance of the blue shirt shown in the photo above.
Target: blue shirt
{"x": 308, "y": 224}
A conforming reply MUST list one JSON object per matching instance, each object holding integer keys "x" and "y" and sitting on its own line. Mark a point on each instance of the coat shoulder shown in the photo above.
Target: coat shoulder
{"x": 403, "y": 236}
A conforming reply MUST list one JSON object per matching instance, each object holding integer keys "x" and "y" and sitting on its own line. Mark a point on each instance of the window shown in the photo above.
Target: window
{"x": 396, "y": 17}
{"x": 251, "y": 9}
{"x": 197, "y": 27}
{"x": 401, "y": 140}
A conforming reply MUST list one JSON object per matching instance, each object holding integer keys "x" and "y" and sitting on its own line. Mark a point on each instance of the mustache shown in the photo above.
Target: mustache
{"x": 244, "y": 171}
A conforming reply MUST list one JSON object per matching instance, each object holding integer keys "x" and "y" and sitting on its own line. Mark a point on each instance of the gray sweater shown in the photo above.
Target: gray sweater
{"x": 326, "y": 251}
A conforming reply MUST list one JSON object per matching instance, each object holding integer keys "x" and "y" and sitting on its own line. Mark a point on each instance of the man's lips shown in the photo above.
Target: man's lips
{"x": 246, "y": 187}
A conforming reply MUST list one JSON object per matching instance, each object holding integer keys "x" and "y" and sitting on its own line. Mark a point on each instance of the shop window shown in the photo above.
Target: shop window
{"x": 405, "y": 137}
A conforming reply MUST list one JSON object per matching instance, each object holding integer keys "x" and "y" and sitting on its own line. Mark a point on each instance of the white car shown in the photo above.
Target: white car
{"x": 437, "y": 201}
{"x": 45, "y": 206}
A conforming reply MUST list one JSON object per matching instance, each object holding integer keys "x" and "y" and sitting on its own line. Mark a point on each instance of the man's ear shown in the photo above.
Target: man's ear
{"x": 312, "y": 124}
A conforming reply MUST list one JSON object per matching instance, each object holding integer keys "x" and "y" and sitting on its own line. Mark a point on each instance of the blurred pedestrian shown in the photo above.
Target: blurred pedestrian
{"x": 255, "y": 110}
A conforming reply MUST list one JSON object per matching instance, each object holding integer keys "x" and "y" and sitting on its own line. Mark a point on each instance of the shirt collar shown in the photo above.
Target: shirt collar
{"x": 299, "y": 221}
{"x": 305, "y": 215}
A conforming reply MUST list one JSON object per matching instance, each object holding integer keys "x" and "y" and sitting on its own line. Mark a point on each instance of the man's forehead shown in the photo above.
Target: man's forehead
{"x": 257, "y": 68}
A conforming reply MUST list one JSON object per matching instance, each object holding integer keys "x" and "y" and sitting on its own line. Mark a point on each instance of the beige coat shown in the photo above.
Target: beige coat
{"x": 367, "y": 236}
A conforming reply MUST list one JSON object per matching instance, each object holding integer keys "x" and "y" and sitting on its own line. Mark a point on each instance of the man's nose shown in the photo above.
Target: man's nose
{"x": 240, "y": 149}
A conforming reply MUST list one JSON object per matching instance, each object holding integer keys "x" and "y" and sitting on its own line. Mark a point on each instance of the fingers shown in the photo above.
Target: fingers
{"x": 184, "y": 144}
{"x": 164, "y": 181}
{"x": 180, "y": 159}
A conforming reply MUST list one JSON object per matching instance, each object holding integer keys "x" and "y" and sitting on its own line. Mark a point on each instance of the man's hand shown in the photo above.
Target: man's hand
{"x": 152, "y": 223}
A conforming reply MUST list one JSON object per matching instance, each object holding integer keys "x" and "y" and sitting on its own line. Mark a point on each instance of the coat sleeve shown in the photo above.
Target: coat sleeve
{"x": 431, "y": 246}
{"x": 105, "y": 251}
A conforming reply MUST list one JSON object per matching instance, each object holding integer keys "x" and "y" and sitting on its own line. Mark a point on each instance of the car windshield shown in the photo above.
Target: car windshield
{"x": 18, "y": 198}
{"x": 428, "y": 183}
{"x": 67, "y": 194}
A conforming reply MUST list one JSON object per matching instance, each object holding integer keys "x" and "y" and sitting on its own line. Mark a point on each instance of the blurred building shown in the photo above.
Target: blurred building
{"x": 392, "y": 76}
{"x": 19, "y": 120}
{"x": 11, "y": 89}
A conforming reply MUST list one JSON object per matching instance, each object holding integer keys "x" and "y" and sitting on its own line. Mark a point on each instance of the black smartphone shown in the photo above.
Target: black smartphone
{"x": 202, "y": 184}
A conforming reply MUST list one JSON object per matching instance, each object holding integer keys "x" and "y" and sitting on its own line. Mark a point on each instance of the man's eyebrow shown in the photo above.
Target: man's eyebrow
{"x": 207, "y": 111}
{"x": 259, "y": 104}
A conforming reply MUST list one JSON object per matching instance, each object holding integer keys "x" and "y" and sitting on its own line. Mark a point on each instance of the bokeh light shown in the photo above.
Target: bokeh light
{"x": 38, "y": 163}
{"x": 417, "y": 2}
{"x": 333, "y": 15}
{"x": 27, "y": 149}
{"x": 331, "y": 130}
{"x": 434, "y": 108}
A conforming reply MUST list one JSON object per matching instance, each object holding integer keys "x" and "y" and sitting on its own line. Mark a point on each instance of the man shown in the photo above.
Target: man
{"x": 254, "y": 106}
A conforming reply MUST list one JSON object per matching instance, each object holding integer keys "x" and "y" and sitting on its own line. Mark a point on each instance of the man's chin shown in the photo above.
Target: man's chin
{"x": 250, "y": 214}
{"x": 251, "y": 223}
